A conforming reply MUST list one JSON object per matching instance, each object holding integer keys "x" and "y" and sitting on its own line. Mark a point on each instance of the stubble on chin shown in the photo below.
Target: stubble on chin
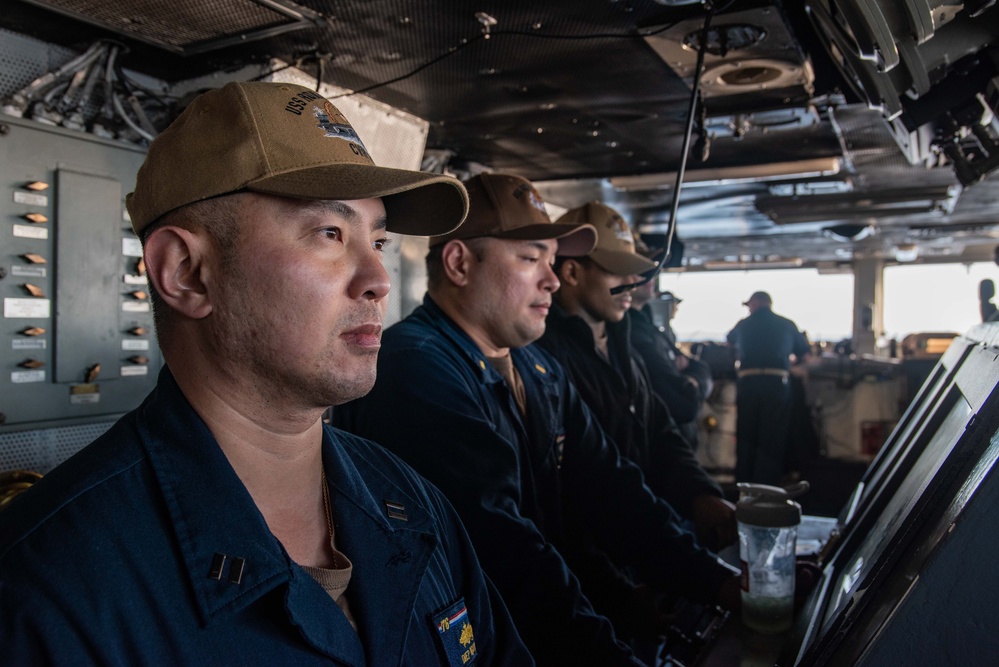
{"x": 343, "y": 389}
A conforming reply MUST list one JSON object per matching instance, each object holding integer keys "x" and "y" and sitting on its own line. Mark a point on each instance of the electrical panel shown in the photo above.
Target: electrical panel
{"x": 77, "y": 343}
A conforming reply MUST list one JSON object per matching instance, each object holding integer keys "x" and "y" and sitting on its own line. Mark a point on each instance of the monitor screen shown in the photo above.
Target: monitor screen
{"x": 907, "y": 500}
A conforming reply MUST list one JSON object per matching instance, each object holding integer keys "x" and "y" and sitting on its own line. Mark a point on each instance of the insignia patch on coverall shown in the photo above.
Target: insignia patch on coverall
{"x": 454, "y": 631}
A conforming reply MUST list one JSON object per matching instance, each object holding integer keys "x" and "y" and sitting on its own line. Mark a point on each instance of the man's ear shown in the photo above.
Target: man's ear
{"x": 458, "y": 260}
{"x": 569, "y": 272}
{"x": 175, "y": 261}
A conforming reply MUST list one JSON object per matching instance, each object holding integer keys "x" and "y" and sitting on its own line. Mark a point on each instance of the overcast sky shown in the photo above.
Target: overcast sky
{"x": 918, "y": 298}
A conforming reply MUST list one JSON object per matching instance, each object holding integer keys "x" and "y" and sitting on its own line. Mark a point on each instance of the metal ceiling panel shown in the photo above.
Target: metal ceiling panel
{"x": 575, "y": 95}
{"x": 188, "y": 26}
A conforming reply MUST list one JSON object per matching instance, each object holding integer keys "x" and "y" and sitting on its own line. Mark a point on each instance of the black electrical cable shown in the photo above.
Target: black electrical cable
{"x": 691, "y": 114}
{"x": 270, "y": 72}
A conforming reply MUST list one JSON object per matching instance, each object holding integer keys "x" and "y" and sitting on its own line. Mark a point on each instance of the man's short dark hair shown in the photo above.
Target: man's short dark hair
{"x": 435, "y": 263}
{"x": 219, "y": 217}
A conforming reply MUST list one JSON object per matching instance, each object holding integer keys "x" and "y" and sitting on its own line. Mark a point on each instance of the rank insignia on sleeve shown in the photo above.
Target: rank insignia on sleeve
{"x": 455, "y": 634}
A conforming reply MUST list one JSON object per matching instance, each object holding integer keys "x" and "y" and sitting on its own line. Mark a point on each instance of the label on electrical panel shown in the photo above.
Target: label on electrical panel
{"x": 134, "y": 370}
{"x": 26, "y": 308}
{"x": 26, "y": 232}
{"x": 30, "y": 198}
{"x": 29, "y": 344}
{"x": 21, "y": 377}
{"x": 84, "y": 394}
{"x": 135, "y": 306}
{"x": 26, "y": 271}
{"x": 135, "y": 344}
{"x": 131, "y": 247}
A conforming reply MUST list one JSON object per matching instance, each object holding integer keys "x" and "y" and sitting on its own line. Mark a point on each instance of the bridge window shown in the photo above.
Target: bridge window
{"x": 820, "y": 304}
{"x": 934, "y": 297}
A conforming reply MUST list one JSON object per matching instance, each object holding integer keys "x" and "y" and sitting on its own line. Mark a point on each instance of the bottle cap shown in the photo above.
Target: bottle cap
{"x": 749, "y": 490}
{"x": 768, "y": 512}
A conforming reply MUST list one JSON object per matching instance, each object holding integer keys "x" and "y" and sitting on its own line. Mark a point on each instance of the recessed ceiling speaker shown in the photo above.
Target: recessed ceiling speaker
{"x": 734, "y": 77}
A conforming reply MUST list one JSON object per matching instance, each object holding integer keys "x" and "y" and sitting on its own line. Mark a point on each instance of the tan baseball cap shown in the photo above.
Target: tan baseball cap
{"x": 282, "y": 139}
{"x": 615, "y": 250}
{"x": 508, "y": 207}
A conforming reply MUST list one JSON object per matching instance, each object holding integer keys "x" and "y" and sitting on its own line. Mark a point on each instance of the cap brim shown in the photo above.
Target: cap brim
{"x": 415, "y": 202}
{"x": 622, "y": 263}
{"x": 573, "y": 240}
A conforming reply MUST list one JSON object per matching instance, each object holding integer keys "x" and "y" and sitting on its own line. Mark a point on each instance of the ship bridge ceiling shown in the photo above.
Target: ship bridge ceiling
{"x": 826, "y": 131}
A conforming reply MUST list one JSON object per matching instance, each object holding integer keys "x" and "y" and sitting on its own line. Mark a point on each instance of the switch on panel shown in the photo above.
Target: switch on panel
{"x": 34, "y": 290}
{"x": 91, "y": 373}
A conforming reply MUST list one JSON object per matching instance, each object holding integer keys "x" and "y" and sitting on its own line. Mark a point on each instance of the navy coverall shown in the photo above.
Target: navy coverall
{"x": 635, "y": 418}
{"x": 674, "y": 387}
{"x": 521, "y": 484}
{"x": 146, "y": 549}
{"x": 640, "y": 425}
{"x": 763, "y": 343}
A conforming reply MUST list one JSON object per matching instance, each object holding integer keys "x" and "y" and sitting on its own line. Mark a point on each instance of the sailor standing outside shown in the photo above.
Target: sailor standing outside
{"x": 764, "y": 344}
{"x": 222, "y": 522}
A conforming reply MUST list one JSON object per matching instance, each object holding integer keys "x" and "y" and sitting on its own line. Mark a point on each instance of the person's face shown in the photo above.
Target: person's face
{"x": 302, "y": 298}
{"x": 510, "y": 290}
{"x": 644, "y": 293}
{"x": 594, "y": 293}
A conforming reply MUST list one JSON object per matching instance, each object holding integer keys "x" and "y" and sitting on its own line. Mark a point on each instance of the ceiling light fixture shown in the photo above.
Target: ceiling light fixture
{"x": 814, "y": 168}
{"x": 847, "y": 232}
{"x": 906, "y": 252}
{"x": 861, "y": 207}
{"x": 787, "y": 263}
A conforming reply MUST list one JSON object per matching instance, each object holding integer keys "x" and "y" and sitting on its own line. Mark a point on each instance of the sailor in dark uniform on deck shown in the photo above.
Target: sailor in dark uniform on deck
{"x": 764, "y": 343}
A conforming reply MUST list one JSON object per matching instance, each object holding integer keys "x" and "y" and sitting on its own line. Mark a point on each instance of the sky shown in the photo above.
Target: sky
{"x": 918, "y": 298}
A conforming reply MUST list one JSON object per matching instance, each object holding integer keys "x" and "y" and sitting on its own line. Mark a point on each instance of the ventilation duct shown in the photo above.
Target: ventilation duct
{"x": 188, "y": 27}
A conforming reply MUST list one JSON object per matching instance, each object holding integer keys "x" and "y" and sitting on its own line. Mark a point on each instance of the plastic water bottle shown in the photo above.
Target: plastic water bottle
{"x": 768, "y": 530}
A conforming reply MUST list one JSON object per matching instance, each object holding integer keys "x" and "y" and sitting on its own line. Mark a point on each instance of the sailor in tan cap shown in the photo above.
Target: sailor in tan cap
{"x": 465, "y": 396}
{"x": 224, "y": 522}
{"x": 588, "y": 332}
